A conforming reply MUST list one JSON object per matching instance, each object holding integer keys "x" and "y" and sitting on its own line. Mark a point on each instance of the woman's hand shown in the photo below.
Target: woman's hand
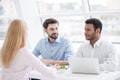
{"x": 57, "y": 66}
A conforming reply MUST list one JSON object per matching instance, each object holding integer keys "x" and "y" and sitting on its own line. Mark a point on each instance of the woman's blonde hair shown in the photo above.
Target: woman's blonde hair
{"x": 15, "y": 39}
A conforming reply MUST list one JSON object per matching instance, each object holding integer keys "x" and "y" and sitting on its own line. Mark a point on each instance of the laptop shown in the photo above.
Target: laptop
{"x": 84, "y": 65}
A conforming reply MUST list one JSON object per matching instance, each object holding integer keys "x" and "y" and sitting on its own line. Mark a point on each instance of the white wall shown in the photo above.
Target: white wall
{"x": 27, "y": 10}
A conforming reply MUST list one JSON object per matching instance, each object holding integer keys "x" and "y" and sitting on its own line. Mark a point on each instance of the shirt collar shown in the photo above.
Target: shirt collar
{"x": 97, "y": 43}
{"x": 58, "y": 39}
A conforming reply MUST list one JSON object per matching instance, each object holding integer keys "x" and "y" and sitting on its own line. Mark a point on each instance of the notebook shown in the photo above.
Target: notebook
{"x": 84, "y": 65}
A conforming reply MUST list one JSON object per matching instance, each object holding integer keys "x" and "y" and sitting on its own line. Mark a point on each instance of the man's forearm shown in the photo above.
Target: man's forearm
{"x": 60, "y": 62}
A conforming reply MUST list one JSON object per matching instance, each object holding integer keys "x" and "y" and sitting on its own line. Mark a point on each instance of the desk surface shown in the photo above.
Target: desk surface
{"x": 67, "y": 75}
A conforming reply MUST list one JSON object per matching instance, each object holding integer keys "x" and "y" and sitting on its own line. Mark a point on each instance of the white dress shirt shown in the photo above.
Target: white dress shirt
{"x": 102, "y": 50}
{"x": 25, "y": 61}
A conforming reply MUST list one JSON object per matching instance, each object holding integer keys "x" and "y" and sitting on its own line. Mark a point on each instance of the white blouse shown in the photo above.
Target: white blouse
{"x": 25, "y": 61}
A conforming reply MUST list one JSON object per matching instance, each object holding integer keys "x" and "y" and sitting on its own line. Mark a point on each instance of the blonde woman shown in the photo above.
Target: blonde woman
{"x": 18, "y": 60}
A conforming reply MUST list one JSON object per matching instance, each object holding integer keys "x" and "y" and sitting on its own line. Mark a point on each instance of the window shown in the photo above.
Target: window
{"x": 111, "y": 29}
{"x": 7, "y": 12}
{"x": 6, "y": 8}
{"x": 104, "y": 5}
{"x": 72, "y": 13}
{"x": 59, "y": 6}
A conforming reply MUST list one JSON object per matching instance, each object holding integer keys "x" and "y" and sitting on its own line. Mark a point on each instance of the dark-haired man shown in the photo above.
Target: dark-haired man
{"x": 96, "y": 47}
{"x": 53, "y": 49}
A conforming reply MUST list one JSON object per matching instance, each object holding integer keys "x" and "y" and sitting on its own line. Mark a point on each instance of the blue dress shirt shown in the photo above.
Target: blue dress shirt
{"x": 59, "y": 50}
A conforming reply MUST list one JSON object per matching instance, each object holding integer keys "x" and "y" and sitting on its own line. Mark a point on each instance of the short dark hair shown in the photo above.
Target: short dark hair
{"x": 96, "y": 23}
{"x": 49, "y": 21}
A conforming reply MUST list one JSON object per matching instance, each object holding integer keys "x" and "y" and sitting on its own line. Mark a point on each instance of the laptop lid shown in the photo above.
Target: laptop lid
{"x": 84, "y": 65}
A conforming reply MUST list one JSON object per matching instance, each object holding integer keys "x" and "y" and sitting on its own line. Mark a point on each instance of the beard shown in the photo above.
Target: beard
{"x": 53, "y": 36}
{"x": 90, "y": 37}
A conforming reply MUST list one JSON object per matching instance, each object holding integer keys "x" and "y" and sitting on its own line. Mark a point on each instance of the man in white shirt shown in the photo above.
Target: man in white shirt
{"x": 96, "y": 47}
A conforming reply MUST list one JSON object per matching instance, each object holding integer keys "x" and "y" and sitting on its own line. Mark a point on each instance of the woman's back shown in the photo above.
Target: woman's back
{"x": 17, "y": 70}
{"x": 16, "y": 59}
{"x": 22, "y": 64}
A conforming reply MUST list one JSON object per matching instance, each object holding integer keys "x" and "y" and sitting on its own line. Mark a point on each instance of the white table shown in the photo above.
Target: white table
{"x": 0, "y": 74}
{"x": 67, "y": 75}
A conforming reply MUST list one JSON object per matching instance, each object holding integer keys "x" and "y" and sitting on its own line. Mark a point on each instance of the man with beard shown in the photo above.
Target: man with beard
{"x": 96, "y": 47}
{"x": 53, "y": 49}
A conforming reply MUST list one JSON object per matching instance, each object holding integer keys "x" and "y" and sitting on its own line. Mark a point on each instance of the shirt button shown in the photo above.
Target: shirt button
{"x": 51, "y": 50}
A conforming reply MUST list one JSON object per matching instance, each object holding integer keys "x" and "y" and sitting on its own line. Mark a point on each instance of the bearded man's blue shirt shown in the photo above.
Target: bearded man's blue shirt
{"x": 59, "y": 50}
